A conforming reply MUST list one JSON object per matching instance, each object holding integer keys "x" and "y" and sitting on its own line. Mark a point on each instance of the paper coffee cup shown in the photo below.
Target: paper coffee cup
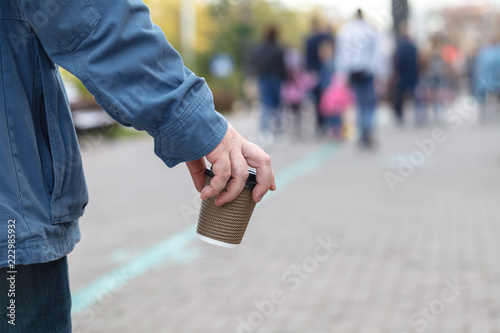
{"x": 226, "y": 225}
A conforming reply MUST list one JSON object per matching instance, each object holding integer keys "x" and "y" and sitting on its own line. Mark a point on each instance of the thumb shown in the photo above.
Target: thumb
{"x": 197, "y": 170}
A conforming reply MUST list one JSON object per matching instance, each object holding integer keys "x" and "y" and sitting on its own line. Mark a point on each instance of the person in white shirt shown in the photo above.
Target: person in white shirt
{"x": 357, "y": 57}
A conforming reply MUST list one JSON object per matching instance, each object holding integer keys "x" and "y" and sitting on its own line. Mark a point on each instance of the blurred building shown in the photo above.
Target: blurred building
{"x": 470, "y": 27}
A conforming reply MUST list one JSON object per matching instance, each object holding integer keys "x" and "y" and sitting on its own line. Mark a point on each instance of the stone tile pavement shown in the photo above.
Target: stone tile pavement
{"x": 333, "y": 251}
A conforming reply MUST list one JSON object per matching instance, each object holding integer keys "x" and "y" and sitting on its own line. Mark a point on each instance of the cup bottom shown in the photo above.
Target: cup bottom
{"x": 216, "y": 242}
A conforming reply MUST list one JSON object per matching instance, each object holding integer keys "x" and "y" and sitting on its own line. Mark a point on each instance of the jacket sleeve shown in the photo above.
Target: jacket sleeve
{"x": 125, "y": 61}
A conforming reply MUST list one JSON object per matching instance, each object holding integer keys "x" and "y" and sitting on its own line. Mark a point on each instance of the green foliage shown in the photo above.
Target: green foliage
{"x": 229, "y": 26}
{"x": 239, "y": 26}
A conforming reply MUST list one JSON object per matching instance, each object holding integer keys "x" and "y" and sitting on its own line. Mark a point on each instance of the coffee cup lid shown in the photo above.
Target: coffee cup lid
{"x": 251, "y": 180}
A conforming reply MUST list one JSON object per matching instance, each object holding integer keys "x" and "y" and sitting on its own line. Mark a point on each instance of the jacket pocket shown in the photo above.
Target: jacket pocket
{"x": 41, "y": 126}
{"x": 57, "y": 143}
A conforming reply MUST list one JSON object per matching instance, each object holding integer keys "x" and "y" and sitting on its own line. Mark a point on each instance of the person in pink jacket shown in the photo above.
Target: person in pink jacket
{"x": 335, "y": 100}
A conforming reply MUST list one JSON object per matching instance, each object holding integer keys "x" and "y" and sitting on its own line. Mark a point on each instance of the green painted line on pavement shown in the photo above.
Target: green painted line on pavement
{"x": 174, "y": 249}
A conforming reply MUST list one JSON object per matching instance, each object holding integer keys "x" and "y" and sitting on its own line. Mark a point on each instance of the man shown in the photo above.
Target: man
{"x": 358, "y": 57}
{"x": 487, "y": 78}
{"x": 139, "y": 79}
{"x": 320, "y": 35}
{"x": 406, "y": 66}
{"x": 267, "y": 61}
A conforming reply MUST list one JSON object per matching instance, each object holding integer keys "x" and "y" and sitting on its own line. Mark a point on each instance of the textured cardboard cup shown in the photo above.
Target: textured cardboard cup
{"x": 225, "y": 226}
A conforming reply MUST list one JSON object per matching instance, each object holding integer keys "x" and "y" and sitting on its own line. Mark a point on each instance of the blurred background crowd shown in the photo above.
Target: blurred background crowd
{"x": 286, "y": 59}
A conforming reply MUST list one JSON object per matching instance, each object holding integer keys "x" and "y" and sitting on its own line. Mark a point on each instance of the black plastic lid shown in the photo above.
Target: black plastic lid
{"x": 251, "y": 180}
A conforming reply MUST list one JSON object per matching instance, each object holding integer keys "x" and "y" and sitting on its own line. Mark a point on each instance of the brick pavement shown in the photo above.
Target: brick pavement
{"x": 424, "y": 258}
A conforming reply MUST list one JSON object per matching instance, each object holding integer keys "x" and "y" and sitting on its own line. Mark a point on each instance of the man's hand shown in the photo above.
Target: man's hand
{"x": 230, "y": 160}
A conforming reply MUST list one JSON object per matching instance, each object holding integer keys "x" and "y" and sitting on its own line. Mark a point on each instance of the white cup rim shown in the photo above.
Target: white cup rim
{"x": 216, "y": 242}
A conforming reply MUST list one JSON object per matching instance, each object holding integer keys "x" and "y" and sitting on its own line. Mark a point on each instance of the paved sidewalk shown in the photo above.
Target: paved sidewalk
{"x": 334, "y": 250}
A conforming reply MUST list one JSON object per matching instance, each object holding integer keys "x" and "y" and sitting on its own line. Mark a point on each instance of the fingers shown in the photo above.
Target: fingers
{"x": 273, "y": 184}
{"x": 239, "y": 175}
{"x": 197, "y": 170}
{"x": 265, "y": 182}
{"x": 258, "y": 159}
{"x": 231, "y": 159}
{"x": 222, "y": 172}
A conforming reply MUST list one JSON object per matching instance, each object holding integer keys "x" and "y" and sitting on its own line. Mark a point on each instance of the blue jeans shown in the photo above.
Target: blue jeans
{"x": 334, "y": 122}
{"x": 366, "y": 103}
{"x": 270, "y": 90}
{"x": 42, "y": 298}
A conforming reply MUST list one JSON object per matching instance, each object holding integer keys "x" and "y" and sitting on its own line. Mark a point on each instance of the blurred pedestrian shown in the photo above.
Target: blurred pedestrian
{"x": 294, "y": 89}
{"x": 436, "y": 77}
{"x": 335, "y": 100}
{"x": 357, "y": 56}
{"x": 320, "y": 33}
{"x": 267, "y": 60}
{"x": 327, "y": 64}
{"x": 470, "y": 67}
{"x": 487, "y": 78}
{"x": 406, "y": 70}
{"x": 125, "y": 61}
{"x": 327, "y": 106}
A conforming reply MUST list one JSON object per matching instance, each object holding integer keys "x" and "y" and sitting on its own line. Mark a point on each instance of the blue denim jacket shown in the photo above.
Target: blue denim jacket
{"x": 126, "y": 62}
